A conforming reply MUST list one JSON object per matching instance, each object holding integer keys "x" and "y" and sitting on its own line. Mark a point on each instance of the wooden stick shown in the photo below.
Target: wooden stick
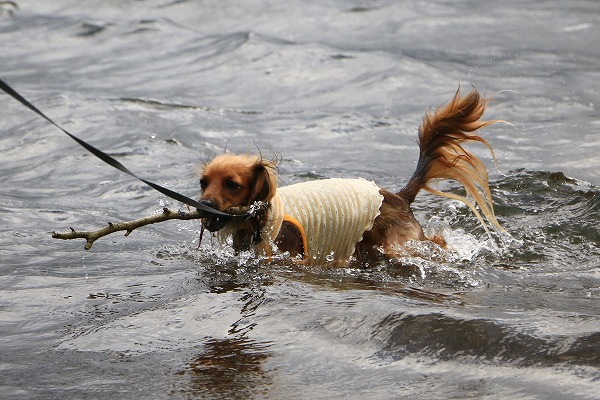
{"x": 128, "y": 226}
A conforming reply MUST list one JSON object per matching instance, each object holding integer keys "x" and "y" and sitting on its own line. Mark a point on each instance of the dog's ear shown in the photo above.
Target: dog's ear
{"x": 265, "y": 182}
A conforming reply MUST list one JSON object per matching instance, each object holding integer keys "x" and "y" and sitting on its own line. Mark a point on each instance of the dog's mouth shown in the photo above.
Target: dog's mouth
{"x": 214, "y": 224}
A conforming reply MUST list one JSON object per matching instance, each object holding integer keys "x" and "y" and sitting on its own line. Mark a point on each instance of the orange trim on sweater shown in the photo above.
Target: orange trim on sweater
{"x": 298, "y": 225}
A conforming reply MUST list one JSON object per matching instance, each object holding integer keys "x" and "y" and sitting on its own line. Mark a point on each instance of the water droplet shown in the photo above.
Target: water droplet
{"x": 329, "y": 257}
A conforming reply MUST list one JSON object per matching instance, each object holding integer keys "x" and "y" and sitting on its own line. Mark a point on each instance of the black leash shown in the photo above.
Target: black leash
{"x": 210, "y": 212}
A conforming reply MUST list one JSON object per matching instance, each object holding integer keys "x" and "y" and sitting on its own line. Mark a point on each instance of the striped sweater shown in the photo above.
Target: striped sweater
{"x": 334, "y": 214}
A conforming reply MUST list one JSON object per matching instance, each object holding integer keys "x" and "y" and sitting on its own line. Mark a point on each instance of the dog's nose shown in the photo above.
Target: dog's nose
{"x": 209, "y": 203}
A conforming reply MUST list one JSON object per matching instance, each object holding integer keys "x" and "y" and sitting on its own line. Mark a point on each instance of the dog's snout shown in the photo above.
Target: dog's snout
{"x": 207, "y": 202}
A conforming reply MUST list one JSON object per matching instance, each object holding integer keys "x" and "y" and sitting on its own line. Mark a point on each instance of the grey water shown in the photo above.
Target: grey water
{"x": 334, "y": 89}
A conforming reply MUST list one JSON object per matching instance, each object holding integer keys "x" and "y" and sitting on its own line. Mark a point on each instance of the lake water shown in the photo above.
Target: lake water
{"x": 337, "y": 89}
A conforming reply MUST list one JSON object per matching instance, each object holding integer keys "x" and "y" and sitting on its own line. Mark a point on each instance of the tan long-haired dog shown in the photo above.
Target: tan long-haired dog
{"x": 328, "y": 222}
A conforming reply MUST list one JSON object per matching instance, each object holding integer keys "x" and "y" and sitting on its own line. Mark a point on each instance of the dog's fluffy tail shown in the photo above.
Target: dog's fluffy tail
{"x": 442, "y": 156}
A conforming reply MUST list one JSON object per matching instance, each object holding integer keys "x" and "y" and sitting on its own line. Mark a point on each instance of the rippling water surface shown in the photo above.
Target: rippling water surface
{"x": 337, "y": 88}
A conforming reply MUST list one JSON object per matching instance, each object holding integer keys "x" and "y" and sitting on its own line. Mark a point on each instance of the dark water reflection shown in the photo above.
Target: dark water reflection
{"x": 229, "y": 368}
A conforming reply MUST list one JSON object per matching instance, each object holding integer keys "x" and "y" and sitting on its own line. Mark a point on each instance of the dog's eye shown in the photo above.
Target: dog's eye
{"x": 232, "y": 185}
{"x": 203, "y": 183}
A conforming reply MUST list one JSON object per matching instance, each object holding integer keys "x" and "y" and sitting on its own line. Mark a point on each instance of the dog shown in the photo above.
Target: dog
{"x": 331, "y": 221}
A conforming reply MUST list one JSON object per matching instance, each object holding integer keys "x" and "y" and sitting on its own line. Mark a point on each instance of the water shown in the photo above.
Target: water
{"x": 335, "y": 88}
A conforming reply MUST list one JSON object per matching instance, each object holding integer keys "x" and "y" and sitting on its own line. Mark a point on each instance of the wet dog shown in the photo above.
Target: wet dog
{"x": 327, "y": 222}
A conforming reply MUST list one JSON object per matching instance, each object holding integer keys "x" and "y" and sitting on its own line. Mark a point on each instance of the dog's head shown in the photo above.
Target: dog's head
{"x": 231, "y": 181}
